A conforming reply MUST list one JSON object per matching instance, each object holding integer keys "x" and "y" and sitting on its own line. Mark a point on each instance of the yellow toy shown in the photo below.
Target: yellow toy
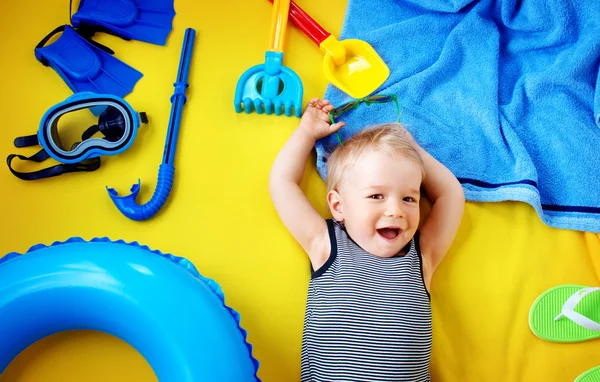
{"x": 351, "y": 65}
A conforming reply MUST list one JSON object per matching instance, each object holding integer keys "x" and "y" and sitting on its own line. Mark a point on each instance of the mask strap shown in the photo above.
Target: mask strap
{"x": 86, "y": 165}
{"x": 31, "y": 140}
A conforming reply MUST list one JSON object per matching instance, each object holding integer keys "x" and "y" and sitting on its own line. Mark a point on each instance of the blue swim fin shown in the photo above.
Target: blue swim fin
{"x": 144, "y": 20}
{"x": 85, "y": 65}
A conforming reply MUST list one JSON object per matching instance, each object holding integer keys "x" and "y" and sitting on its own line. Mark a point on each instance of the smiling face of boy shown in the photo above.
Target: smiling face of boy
{"x": 378, "y": 201}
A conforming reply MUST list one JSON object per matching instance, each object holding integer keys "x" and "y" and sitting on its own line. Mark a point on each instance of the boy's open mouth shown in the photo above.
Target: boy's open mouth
{"x": 388, "y": 233}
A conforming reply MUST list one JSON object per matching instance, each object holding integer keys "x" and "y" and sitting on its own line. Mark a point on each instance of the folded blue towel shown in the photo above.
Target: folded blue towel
{"x": 505, "y": 93}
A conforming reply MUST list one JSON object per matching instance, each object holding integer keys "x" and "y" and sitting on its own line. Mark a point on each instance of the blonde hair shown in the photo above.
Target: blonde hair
{"x": 389, "y": 138}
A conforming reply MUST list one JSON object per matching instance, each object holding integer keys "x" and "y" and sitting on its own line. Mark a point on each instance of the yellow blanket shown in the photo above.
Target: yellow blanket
{"x": 220, "y": 216}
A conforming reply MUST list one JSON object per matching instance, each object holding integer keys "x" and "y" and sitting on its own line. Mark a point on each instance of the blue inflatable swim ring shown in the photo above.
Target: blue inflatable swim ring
{"x": 158, "y": 303}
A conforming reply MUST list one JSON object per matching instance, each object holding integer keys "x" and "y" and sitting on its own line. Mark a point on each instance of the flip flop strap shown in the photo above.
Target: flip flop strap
{"x": 568, "y": 310}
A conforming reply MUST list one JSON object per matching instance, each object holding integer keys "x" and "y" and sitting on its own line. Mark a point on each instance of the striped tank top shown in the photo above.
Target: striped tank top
{"x": 367, "y": 318}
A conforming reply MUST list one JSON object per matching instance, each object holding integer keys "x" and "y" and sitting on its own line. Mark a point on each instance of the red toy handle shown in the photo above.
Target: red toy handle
{"x": 306, "y": 24}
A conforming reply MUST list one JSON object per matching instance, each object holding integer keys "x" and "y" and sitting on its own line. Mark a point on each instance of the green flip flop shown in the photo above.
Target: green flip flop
{"x": 566, "y": 313}
{"x": 592, "y": 375}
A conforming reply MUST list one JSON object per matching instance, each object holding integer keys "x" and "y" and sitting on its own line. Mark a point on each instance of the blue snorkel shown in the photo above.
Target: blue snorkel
{"x": 166, "y": 172}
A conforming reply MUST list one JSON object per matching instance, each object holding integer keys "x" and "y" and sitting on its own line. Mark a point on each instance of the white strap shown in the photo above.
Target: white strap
{"x": 568, "y": 310}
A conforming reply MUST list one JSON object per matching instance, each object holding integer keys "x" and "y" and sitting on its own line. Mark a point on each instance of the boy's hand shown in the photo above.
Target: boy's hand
{"x": 315, "y": 120}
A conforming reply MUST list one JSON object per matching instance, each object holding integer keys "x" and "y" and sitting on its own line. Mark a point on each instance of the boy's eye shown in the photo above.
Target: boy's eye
{"x": 409, "y": 199}
{"x": 376, "y": 196}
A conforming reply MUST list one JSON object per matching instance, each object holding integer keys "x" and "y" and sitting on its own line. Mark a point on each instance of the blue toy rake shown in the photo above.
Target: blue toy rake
{"x": 271, "y": 87}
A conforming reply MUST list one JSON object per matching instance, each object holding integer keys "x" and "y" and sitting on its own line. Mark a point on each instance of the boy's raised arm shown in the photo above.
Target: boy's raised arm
{"x": 294, "y": 209}
{"x": 448, "y": 202}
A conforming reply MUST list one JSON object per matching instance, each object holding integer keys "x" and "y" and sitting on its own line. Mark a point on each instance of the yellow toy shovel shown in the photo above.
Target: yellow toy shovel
{"x": 351, "y": 65}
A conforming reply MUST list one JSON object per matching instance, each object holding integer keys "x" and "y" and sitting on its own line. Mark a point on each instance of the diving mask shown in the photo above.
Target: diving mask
{"x": 118, "y": 124}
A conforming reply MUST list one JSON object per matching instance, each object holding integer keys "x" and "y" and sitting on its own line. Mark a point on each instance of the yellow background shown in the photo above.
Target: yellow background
{"x": 219, "y": 214}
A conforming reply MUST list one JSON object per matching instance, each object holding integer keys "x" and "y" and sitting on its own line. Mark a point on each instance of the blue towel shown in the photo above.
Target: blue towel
{"x": 505, "y": 93}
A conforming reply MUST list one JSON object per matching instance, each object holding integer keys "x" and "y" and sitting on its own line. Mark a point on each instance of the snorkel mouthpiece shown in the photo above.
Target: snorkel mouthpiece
{"x": 127, "y": 204}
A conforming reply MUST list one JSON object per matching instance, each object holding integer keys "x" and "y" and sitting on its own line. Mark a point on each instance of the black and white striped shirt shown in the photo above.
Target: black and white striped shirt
{"x": 367, "y": 318}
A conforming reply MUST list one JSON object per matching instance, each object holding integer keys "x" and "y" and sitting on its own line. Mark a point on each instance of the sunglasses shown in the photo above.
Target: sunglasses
{"x": 374, "y": 99}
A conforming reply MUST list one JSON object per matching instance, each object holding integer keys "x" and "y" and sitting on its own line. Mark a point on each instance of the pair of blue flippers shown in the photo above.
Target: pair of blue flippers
{"x": 86, "y": 65}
